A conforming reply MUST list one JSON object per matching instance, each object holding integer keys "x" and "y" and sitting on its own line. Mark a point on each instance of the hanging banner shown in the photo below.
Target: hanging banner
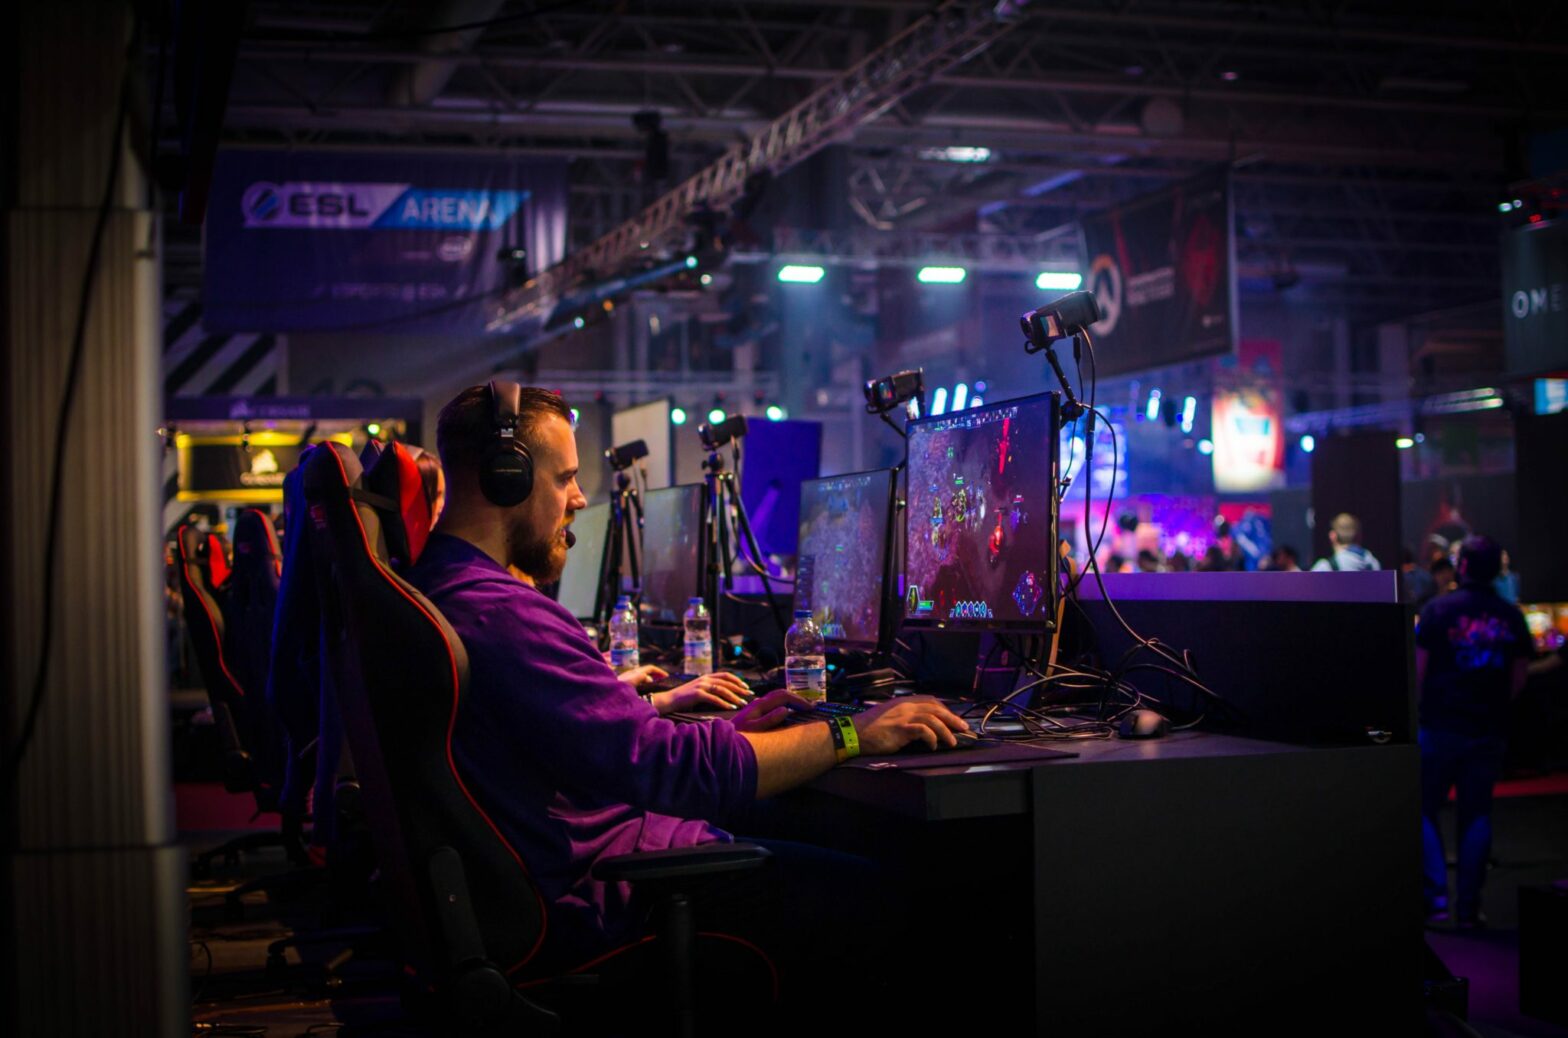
{"x": 1163, "y": 268}
{"x": 1535, "y": 298}
{"x": 301, "y": 241}
{"x": 1249, "y": 420}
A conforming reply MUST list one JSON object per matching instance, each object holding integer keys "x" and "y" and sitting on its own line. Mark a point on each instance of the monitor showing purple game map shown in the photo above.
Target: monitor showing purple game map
{"x": 980, "y": 529}
{"x": 840, "y": 563}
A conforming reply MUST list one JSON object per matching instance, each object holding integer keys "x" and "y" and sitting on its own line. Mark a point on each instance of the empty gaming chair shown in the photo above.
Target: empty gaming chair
{"x": 294, "y": 672}
{"x": 249, "y": 600}
{"x": 231, "y": 708}
{"x": 470, "y": 916}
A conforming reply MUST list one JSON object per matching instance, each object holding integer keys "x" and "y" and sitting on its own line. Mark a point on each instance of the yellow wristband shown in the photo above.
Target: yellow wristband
{"x": 846, "y": 742}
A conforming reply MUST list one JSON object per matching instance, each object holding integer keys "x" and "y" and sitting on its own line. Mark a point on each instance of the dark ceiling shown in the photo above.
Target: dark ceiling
{"x": 1371, "y": 141}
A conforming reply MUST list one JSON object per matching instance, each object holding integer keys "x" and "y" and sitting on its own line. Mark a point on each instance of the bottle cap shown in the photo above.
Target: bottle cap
{"x": 803, "y": 614}
{"x": 694, "y": 600}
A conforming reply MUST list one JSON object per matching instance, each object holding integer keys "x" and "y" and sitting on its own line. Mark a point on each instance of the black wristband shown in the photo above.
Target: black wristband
{"x": 838, "y": 740}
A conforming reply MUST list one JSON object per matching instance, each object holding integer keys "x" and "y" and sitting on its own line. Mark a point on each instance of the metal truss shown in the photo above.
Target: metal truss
{"x": 949, "y": 34}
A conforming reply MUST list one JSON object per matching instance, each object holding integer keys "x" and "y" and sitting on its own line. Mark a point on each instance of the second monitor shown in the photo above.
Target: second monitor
{"x": 671, "y": 536}
{"x": 841, "y": 575}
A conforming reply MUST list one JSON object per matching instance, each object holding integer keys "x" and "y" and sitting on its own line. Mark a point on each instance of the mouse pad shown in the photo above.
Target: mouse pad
{"x": 1000, "y": 753}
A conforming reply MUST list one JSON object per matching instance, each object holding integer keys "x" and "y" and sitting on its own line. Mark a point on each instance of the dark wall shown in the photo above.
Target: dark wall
{"x": 1358, "y": 473}
{"x": 1541, "y": 498}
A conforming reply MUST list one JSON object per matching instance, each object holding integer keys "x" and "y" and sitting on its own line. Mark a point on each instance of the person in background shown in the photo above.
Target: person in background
{"x": 1285, "y": 560}
{"x": 1347, "y": 554}
{"x": 1148, "y": 562}
{"x": 1442, "y": 576}
{"x": 1473, "y": 651}
{"x": 1507, "y": 582}
{"x": 1415, "y": 582}
{"x": 1214, "y": 560}
{"x": 433, "y": 481}
{"x": 1180, "y": 562}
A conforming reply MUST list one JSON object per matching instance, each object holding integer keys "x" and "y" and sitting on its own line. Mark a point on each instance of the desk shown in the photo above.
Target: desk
{"x": 1204, "y": 880}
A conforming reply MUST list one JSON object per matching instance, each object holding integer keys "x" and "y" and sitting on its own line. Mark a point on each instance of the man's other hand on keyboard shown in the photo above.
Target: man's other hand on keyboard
{"x": 720, "y": 690}
{"x": 768, "y": 711}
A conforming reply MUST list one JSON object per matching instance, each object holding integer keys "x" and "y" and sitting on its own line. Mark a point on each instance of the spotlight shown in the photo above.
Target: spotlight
{"x": 716, "y": 415}
{"x": 677, "y": 416}
{"x": 1308, "y": 443}
{"x": 1205, "y": 446}
{"x": 374, "y": 429}
{"x": 706, "y": 279}
{"x": 1058, "y": 280}
{"x": 621, "y": 458}
{"x": 1152, "y": 410}
{"x": 960, "y": 396}
{"x": 1189, "y": 411}
{"x": 578, "y": 322}
{"x": 691, "y": 262}
{"x": 939, "y": 401}
{"x": 776, "y": 413}
{"x": 941, "y": 275}
{"x": 1404, "y": 443}
{"x": 800, "y": 274}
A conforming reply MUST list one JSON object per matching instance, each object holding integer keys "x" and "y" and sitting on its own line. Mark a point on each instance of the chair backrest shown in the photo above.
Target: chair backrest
{"x": 249, "y": 602}
{"x": 402, "y": 678}
{"x": 204, "y": 622}
{"x": 295, "y": 673}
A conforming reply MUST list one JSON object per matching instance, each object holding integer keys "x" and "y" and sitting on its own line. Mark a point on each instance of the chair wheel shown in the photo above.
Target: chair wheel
{"x": 233, "y": 910}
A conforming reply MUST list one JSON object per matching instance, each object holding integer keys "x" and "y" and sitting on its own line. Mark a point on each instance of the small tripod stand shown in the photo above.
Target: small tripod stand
{"x": 724, "y": 525}
{"x": 622, "y": 544}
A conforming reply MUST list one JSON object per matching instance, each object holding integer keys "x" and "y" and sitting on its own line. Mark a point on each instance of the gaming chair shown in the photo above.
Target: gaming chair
{"x": 470, "y": 915}
{"x": 204, "y": 620}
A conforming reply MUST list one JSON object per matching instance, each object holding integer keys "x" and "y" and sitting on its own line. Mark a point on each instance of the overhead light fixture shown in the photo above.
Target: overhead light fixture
{"x": 1189, "y": 411}
{"x": 707, "y": 279}
{"x": 941, "y": 275}
{"x": 373, "y": 429}
{"x": 716, "y": 415}
{"x": 1308, "y": 443}
{"x": 1058, "y": 281}
{"x": 956, "y": 153}
{"x": 776, "y": 413}
{"x": 677, "y": 416}
{"x": 800, "y": 274}
{"x": 1205, "y": 446}
{"x": 578, "y": 322}
{"x": 939, "y": 401}
{"x": 960, "y": 396}
{"x": 976, "y": 401}
{"x": 1152, "y": 410}
{"x": 691, "y": 262}
{"x": 1404, "y": 443}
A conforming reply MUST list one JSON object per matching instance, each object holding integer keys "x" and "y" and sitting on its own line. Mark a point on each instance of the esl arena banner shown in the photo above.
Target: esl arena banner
{"x": 302, "y": 241}
{"x": 1163, "y": 268}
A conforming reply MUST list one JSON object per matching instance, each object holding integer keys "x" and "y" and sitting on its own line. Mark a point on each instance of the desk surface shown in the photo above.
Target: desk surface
{"x": 921, "y": 788}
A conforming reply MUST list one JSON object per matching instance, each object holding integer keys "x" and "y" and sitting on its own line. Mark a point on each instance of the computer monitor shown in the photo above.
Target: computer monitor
{"x": 580, "y": 579}
{"x": 671, "y": 537}
{"x": 981, "y": 526}
{"x": 841, "y": 572}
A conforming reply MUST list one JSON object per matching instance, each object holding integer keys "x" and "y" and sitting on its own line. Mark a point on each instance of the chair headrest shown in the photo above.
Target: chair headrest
{"x": 256, "y": 556}
{"x": 395, "y": 477}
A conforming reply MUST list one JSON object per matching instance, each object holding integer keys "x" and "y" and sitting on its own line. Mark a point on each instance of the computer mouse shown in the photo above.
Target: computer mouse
{"x": 1143, "y": 724}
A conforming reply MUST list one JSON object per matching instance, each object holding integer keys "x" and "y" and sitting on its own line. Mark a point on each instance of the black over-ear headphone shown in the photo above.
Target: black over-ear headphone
{"x": 506, "y": 469}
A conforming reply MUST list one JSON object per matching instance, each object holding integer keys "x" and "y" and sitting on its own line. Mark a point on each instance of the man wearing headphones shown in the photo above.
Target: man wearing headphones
{"x": 571, "y": 763}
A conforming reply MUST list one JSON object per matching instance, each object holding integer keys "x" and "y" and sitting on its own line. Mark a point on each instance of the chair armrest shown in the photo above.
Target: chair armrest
{"x": 710, "y": 859}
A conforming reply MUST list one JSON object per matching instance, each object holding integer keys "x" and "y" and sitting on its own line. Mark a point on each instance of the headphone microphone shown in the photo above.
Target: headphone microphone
{"x": 571, "y": 539}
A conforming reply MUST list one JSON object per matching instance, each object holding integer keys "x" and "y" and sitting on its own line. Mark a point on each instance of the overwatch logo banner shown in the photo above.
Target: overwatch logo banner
{"x": 1163, "y": 270}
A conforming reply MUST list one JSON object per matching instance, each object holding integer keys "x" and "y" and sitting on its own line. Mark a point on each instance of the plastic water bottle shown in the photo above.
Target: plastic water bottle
{"x": 623, "y": 636}
{"x": 805, "y": 659}
{"x": 699, "y": 639}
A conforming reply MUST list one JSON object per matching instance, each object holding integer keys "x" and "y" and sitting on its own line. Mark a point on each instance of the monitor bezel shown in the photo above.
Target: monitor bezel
{"x": 889, "y": 530}
{"x": 1047, "y": 619}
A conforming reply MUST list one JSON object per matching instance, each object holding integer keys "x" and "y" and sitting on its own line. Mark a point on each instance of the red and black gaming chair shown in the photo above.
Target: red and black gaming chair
{"x": 470, "y": 915}
{"x": 231, "y": 707}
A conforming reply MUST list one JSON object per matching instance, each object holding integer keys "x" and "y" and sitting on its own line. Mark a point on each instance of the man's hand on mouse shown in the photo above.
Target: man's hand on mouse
{"x": 889, "y": 727}
{"x": 722, "y": 690}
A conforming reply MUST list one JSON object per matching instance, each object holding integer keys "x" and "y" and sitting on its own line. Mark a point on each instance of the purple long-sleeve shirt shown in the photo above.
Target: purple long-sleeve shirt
{"x": 570, "y": 763}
